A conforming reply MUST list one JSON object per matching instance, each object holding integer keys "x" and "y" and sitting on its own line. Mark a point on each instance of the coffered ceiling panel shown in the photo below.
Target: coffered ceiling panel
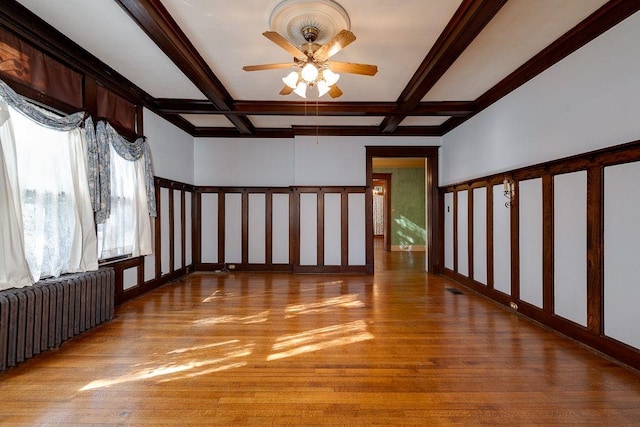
{"x": 439, "y": 62}
{"x": 520, "y": 30}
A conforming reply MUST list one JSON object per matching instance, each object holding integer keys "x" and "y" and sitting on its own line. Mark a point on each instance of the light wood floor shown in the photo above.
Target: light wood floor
{"x": 395, "y": 348}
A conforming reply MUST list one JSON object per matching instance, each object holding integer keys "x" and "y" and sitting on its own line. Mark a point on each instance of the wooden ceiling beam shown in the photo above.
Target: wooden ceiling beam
{"x": 603, "y": 19}
{"x": 468, "y": 21}
{"x": 278, "y": 108}
{"x": 290, "y": 132}
{"x": 26, "y": 25}
{"x": 157, "y": 23}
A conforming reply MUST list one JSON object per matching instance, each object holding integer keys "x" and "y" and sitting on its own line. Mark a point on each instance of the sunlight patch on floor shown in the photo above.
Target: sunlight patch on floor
{"x": 343, "y": 301}
{"x": 188, "y": 364}
{"x": 320, "y": 339}
{"x": 246, "y": 320}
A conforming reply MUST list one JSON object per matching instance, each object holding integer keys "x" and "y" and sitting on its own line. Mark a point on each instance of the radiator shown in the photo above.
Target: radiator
{"x": 43, "y": 316}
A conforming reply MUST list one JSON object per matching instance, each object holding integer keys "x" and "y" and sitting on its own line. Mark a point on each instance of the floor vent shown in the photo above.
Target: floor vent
{"x": 454, "y": 291}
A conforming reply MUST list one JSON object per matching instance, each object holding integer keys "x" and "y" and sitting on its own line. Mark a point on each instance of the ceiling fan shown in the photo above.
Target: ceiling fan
{"x": 311, "y": 65}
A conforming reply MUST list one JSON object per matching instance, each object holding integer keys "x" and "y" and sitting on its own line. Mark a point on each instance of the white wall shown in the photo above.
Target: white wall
{"x": 304, "y": 160}
{"x": 585, "y": 102}
{"x": 301, "y": 161}
{"x": 171, "y": 148}
{"x": 238, "y": 162}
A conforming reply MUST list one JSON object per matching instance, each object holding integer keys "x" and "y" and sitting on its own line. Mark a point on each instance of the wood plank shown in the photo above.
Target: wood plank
{"x": 393, "y": 348}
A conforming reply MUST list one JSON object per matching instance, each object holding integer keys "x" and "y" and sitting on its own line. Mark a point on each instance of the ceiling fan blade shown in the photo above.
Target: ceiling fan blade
{"x": 267, "y": 66}
{"x": 335, "y": 91}
{"x": 285, "y": 44}
{"x": 335, "y": 45}
{"x": 353, "y": 68}
{"x": 286, "y": 90}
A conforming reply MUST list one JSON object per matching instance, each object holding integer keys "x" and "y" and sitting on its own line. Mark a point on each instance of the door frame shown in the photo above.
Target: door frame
{"x": 430, "y": 153}
{"x": 386, "y": 179}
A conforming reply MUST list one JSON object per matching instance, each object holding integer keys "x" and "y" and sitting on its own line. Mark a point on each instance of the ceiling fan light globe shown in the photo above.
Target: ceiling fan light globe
{"x": 323, "y": 87}
{"x": 330, "y": 77}
{"x": 291, "y": 80}
{"x": 309, "y": 72}
{"x": 301, "y": 90}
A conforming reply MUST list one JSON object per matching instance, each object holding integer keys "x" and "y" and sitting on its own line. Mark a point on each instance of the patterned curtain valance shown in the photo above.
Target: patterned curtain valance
{"x": 100, "y": 163}
{"x": 39, "y": 115}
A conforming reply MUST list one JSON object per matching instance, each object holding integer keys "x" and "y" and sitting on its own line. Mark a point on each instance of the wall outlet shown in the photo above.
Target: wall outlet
{"x": 513, "y": 305}
{"x": 231, "y": 266}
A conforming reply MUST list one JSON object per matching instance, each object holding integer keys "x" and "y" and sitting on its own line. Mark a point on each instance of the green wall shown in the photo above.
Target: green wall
{"x": 407, "y": 205}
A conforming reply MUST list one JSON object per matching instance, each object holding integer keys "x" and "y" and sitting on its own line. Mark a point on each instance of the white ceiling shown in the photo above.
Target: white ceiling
{"x": 394, "y": 35}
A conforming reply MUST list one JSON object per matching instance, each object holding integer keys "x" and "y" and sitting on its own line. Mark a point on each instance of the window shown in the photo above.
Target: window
{"x": 127, "y": 231}
{"x": 56, "y": 211}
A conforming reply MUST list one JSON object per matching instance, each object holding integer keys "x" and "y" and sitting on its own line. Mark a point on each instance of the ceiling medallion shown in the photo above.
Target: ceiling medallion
{"x": 291, "y": 17}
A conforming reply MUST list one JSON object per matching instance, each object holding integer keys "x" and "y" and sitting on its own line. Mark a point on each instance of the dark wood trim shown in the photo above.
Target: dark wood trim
{"x": 514, "y": 211}
{"x": 467, "y": 22}
{"x": 595, "y": 250}
{"x": 470, "y": 258}
{"x": 593, "y": 163}
{"x": 455, "y": 231}
{"x": 172, "y": 230}
{"x": 158, "y": 231}
{"x": 183, "y": 228}
{"x": 430, "y": 153}
{"x": 548, "y": 303}
{"x": 268, "y": 227}
{"x": 344, "y": 228}
{"x": 222, "y": 197}
{"x": 245, "y": 226}
{"x": 294, "y": 227}
{"x": 301, "y": 108}
{"x": 320, "y": 227}
{"x": 387, "y": 179}
{"x": 26, "y": 25}
{"x": 154, "y": 19}
{"x": 609, "y": 15}
{"x": 196, "y": 227}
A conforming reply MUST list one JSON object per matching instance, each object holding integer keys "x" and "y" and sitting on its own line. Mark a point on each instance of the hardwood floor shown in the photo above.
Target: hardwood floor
{"x": 395, "y": 348}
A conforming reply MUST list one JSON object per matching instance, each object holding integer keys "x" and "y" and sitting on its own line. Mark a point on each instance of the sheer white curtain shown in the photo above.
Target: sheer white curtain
{"x": 45, "y": 180}
{"x": 14, "y": 271}
{"x": 127, "y": 230}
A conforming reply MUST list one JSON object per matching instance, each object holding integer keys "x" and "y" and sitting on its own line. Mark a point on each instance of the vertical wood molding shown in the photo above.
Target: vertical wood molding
{"x": 547, "y": 244}
{"x": 196, "y": 228}
{"x": 515, "y": 244}
{"x": 455, "y": 230}
{"x": 320, "y": 228}
{"x": 344, "y": 227}
{"x": 435, "y": 217}
{"x": 245, "y": 226}
{"x": 222, "y": 195}
{"x": 268, "y": 225}
{"x": 183, "y": 227}
{"x": 172, "y": 233}
{"x": 158, "y": 232}
{"x": 595, "y": 249}
{"x": 294, "y": 228}
{"x": 368, "y": 212}
{"x": 470, "y": 259}
{"x": 593, "y": 163}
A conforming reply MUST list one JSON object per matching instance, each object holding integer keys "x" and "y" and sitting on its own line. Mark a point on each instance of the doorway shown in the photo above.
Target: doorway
{"x": 430, "y": 153}
{"x": 382, "y": 208}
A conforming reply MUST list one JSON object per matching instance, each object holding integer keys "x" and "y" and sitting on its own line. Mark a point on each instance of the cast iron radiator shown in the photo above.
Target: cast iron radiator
{"x": 40, "y": 317}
